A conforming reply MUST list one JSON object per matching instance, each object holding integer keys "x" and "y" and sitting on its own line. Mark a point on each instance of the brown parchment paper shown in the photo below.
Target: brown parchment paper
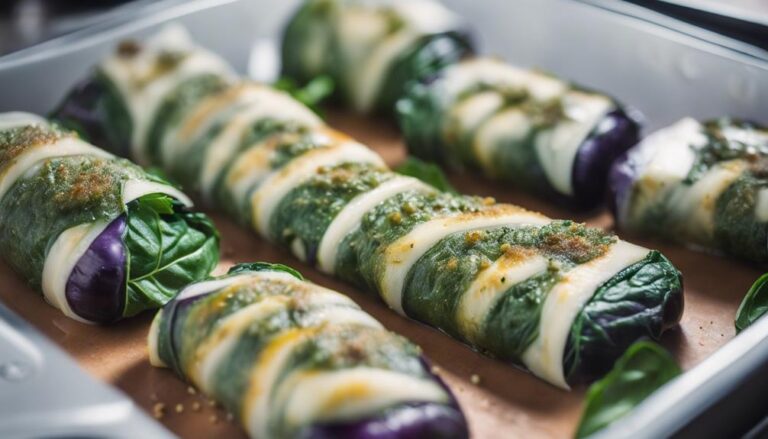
{"x": 506, "y": 402}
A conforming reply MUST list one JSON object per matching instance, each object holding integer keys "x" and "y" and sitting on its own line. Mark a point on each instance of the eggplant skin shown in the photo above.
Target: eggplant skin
{"x": 611, "y": 138}
{"x": 407, "y": 421}
{"x": 95, "y": 289}
{"x": 95, "y": 110}
{"x": 645, "y": 299}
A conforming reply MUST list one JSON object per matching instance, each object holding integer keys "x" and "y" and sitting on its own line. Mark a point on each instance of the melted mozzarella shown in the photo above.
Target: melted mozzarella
{"x": 269, "y": 194}
{"x": 135, "y": 189}
{"x": 62, "y": 257}
{"x": 557, "y": 147}
{"x": 761, "y": 206}
{"x": 143, "y": 85}
{"x": 401, "y": 255}
{"x": 153, "y": 341}
{"x": 18, "y": 119}
{"x": 20, "y": 165}
{"x": 489, "y": 286}
{"x": 308, "y": 397}
{"x": 469, "y": 113}
{"x": 272, "y": 105}
{"x": 352, "y": 214}
{"x": 544, "y": 357}
{"x": 503, "y": 130}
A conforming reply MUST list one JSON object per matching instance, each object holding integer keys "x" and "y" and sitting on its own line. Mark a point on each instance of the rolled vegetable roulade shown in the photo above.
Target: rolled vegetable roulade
{"x": 99, "y": 236}
{"x": 372, "y": 49}
{"x": 292, "y": 359}
{"x": 702, "y": 184}
{"x": 540, "y": 133}
{"x": 560, "y": 298}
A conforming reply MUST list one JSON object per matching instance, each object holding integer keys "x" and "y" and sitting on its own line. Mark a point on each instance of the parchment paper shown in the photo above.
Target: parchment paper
{"x": 507, "y": 402}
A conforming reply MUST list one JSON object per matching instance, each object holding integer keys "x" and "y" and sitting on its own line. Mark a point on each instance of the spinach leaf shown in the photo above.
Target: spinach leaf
{"x": 263, "y": 266}
{"x": 427, "y": 172}
{"x": 643, "y": 368}
{"x": 168, "y": 248}
{"x": 311, "y": 94}
{"x": 754, "y": 305}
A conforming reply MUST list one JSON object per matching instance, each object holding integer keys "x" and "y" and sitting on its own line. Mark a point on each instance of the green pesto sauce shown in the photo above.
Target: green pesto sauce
{"x": 306, "y": 212}
{"x": 360, "y": 254}
{"x": 61, "y": 193}
{"x": 176, "y": 105}
{"x": 436, "y": 283}
{"x": 728, "y": 140}
{"x": 15, "y": 141}
{"x": 737, "y": 229}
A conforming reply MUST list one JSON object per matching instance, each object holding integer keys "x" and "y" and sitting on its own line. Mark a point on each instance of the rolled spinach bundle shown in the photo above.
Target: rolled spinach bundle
{"x": 99, "y": 236}
{"x": 292, "y": 359}
{"x": 538, "y": 132}
{"x": 562, "y": 299}
{"x": 372, "y": 49}
{"x": 702, "y": 184}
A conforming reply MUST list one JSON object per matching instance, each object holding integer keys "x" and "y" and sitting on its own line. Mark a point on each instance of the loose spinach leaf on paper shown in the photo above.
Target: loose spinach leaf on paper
{"x": 311, "y": 94}
{"x": 643, "y": 369}
{"x": 168, "y": 248}
{"x": 427, "y": 172}
{"x": 264, "y": 266}
{"x": 754, "y": 305}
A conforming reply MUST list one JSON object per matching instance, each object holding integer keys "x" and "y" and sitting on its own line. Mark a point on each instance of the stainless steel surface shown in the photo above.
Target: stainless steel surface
{"x": 44, "y": 393}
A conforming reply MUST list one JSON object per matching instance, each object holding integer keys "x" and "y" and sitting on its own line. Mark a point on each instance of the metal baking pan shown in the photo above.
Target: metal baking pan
{"x": 664, "y": 67}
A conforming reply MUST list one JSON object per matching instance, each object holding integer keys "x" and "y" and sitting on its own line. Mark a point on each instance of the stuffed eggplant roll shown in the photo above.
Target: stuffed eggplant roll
{"x": 99, "y": 236}
{"x": 289, "y": 358}
{"x": 372, "y": 49}
{"x": 702, "y": 184}
{"x": 538, "y": 132}
{"x": 560, "y": 298}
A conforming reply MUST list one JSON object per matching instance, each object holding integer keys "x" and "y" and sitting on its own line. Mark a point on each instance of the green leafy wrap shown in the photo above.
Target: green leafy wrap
{"x": 99, "y": 236}
{"x": 559, "y": 298}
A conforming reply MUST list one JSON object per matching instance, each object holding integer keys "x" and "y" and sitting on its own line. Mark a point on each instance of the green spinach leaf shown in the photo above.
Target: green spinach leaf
{"x": 643, "y": 369}
{"x": 312, "y": 94}
{"x": 427, "y": 172}
{"x": 168, "y": 248}
{"x": 754, "y": 305}
{"x": 264, "y": 266}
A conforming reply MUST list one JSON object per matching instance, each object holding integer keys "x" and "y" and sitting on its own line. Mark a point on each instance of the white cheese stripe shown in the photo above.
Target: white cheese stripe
{"x": 135, "y": 189}
{"x": 269, "y": 194}
{"x": 557, "y": 147}
{"x": 143, "y": 84}
{"x": 62, "y": 257}
{"x": 662, "y": 160}
{"x": 693, "y": 207}
{"x": 489, "y": 286}
{"x": 153, "y": 345}
{"x": 761, "y": 205}
{"x": 351, "y": 216}
{"x": 467, "y": 115}
{"x": 349, "y": 394}
{"x": 67, "y": 146}
{"x": 544, "y": 357}
{"x": 401, "y": 255}
{"x": 18, "y": 119}
{"x": 271, "y": 105}
{"x": 503, "y": 130}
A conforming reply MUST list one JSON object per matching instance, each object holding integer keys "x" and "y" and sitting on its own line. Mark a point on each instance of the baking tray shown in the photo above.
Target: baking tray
{"x": 664, "y": 72}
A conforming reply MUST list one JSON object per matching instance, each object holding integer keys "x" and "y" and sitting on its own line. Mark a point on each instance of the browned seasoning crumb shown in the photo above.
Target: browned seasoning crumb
{"x": 158, "y": 410}
{"x": 485, "y": 263}
{"x": 436, "y": 369}
{"x": 395, "y": 218}
{"x": 179, "y": 408}
{"x": 471, "y": 238}
{"x": 196, "y": 406}
{"x": 191, "y": 390}
{"x": 452, "y": 264}
{"x": 488, "y": 201}
{"x": 409, "y": 208}
{"x": 505, "y": 247}
{"x": 475, "y": 379}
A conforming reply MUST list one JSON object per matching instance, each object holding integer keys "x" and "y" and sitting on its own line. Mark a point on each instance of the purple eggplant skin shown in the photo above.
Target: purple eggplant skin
{"x": 407, "y": 421}
{"x": 96, "y": 111}
{"x": 95, "y": 289}
{"x": 612, "y": 137}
